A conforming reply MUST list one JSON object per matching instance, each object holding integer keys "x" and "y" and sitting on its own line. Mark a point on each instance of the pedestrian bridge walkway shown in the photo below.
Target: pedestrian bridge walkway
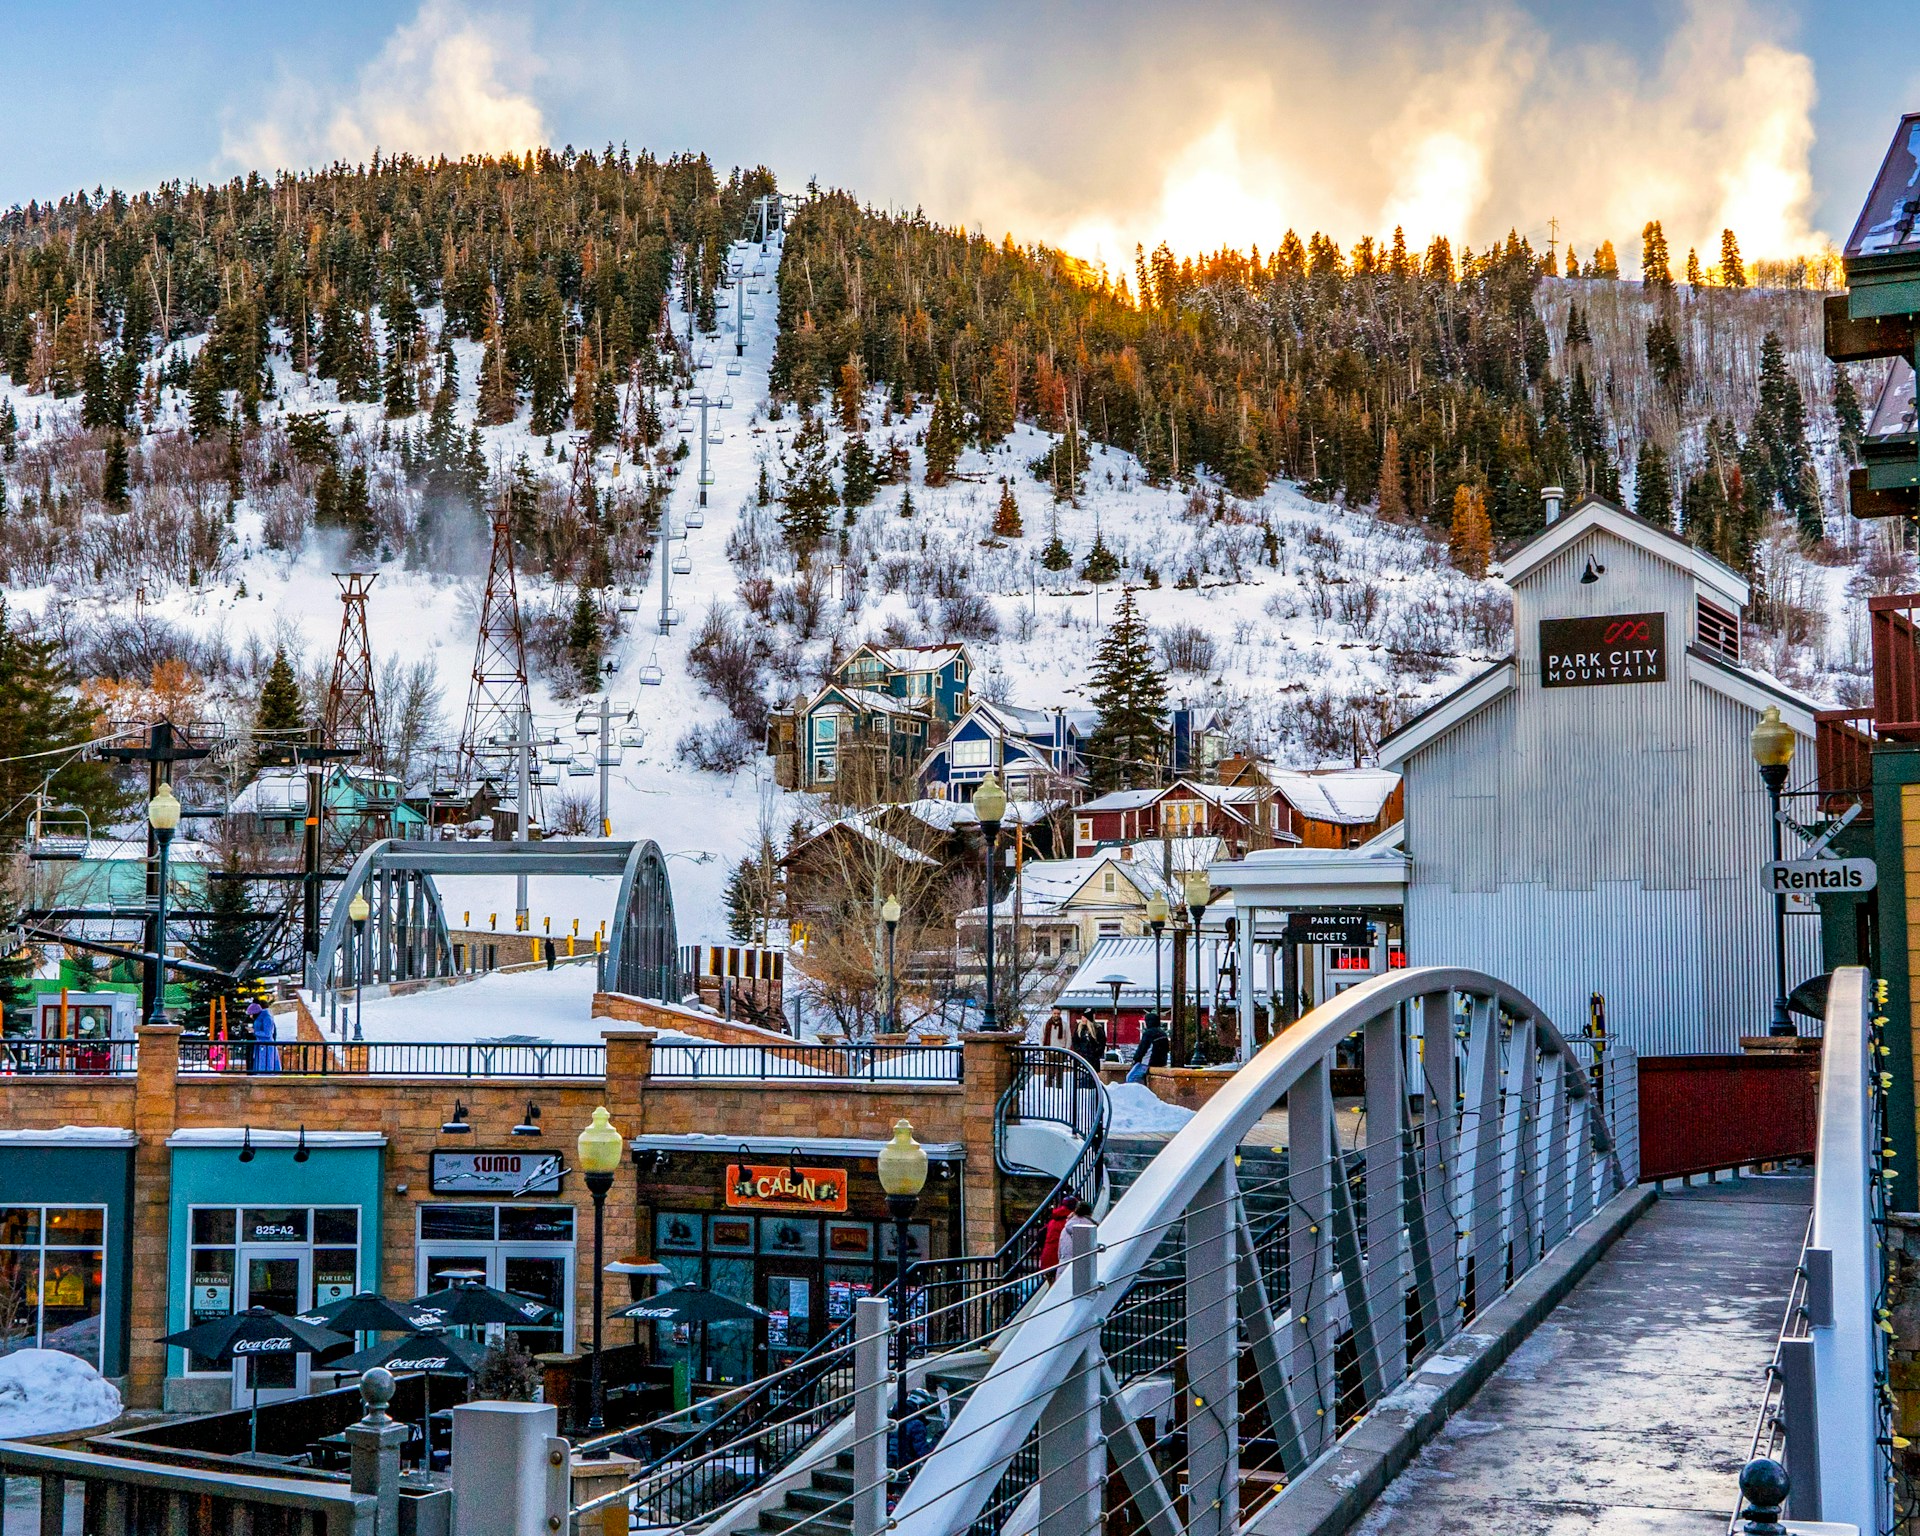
{"x": 1631, "y": 1409}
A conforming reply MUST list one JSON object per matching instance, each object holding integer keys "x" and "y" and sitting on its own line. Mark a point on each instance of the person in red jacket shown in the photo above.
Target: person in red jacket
{"x": 1057, "y": 1219}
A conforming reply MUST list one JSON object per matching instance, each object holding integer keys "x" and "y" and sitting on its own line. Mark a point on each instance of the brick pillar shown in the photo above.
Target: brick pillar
{"x": 987, "y": 1070}
{"x": 629, "y": 1066}
{"x": 155, "y": 1086}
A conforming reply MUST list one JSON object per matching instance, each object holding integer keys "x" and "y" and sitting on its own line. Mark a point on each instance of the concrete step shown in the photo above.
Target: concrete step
{"x": 799, "y": 1522}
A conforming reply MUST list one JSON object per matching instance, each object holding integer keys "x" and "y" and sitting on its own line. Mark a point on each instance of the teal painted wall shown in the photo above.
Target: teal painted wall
{"x": 1894, "y": 767}
{"x": 84, "y": 1176}
{"x": 216, "y": 1176}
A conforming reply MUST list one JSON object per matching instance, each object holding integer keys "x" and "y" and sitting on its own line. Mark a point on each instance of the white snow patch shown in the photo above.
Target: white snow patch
{"x": 1133, "y": 1109}
{"x": 45, "y": 1392}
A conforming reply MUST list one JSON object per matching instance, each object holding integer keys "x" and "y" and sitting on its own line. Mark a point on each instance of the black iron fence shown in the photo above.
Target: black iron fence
{"x": 798, "y": 1062}
{"x": 394, "y": 1058}
{"x": 67, "y": 1058}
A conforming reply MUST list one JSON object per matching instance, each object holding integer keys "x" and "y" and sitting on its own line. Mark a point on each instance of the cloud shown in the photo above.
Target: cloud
{"x": 447, "y": 82}
{"x": 1234, "y": 127}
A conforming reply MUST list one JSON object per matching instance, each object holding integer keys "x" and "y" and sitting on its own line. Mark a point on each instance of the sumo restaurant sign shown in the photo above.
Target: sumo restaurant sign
{"x": 753, "y": 1187}
{"x": 1614, "y": 648}
{"x": 496, "y": 1173}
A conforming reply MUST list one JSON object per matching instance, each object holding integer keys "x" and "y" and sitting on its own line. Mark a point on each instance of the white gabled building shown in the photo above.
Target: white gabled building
{"x": 1586, "y": 816}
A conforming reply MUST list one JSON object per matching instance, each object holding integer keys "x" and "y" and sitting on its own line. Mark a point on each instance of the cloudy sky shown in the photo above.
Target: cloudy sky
{"x": 1092, "y": 126}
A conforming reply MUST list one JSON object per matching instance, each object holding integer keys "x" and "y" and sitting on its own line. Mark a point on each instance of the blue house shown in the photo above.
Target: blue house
{"x": 885, "y": 703}
{"x": 1035, "y": 753}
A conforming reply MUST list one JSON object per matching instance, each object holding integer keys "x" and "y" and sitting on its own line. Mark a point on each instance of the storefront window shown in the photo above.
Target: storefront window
{"x": 52, "y": 1259}
{"x": 526, "y": 1249}
{"x": 289, "y": 1258}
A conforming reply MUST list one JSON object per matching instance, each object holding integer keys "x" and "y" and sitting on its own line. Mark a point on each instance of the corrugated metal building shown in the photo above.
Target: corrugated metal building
{"x": 1586, "y": 817}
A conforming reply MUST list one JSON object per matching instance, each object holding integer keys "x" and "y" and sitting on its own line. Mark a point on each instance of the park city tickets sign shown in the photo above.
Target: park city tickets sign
{"x": 752, "y": 1187}
{"x": 1613, "y": 648}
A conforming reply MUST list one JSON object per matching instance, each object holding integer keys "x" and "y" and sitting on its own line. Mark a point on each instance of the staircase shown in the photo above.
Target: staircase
{"x": 822, "y": 1507}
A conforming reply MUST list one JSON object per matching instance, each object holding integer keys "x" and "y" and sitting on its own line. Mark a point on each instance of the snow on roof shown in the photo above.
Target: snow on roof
{"x": 72, "y": 1136}
{"x": 914, "y": 658}
{"x": 948, "y": 815}
{"x": 1349, "y": 797}
{"x": 861, "y": 824}
{"x": 1132, "y": 958}
{"x": 1121, "y": 800}
{"x": 1045, "y": 886}
{"x": 879, "y": 703}
{"x": 279, "y": 790}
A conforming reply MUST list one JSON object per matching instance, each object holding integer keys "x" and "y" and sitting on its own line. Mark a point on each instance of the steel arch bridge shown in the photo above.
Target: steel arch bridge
{"x": 406, "y": 935}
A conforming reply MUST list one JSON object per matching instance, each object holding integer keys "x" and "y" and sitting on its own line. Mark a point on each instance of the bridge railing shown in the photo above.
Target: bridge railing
{"x": 1385, "y": 1233}
{"x": 1827, "y": 1410}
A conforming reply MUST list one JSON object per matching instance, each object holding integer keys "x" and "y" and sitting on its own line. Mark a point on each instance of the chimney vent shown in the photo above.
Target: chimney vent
{"x": 1552, "y": 496}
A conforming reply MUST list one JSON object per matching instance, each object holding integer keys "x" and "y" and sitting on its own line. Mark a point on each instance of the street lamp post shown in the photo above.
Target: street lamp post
{"x": 358, "y": 911}
{"x": 598, "y": 1148}
{"x": 1157, "y": 910}
{"x": 1772, "y": 745}
{"x": 890, "y": 915}
{"x": 902, "y": 1166}
{"x": 1115, "y": 984}
{"x": 1199, "y": 891}
{"x": 989, "y": 805}
{"x": 163, "y": 815}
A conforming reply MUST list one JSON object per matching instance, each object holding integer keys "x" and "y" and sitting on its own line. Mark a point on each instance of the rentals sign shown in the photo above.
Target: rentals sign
{"x": 1613, "y": 648}
{"x": 1821, "y": 877}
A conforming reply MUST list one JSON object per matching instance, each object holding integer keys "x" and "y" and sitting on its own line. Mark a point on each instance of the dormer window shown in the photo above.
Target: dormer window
{"x": 1717, "y": 630}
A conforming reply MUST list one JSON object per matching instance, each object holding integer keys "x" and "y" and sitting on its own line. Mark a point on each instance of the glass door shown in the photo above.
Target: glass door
{"x": 547, "y": 1276}
{"x": 792, "y": 1299}
{"x": 281, "y": 1281}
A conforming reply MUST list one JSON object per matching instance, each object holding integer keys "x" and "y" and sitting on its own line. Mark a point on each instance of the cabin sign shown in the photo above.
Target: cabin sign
{"x": 1612, "y": 648}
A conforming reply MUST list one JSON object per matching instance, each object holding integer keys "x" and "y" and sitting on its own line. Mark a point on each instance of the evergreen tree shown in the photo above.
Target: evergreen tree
{"x": 848, "y": 393}
{"x": 1393, "y": 495}
{"x": 206, "y": 406}
{"x": 1128, "y": 743}
{"x": 1605, "y": 264}
{"x": 806, "y": 491}
{"x": 1778, "y": 438}
{"x": 1056, "y": 556}
{"x": 114, "y": 473}
{"x": 226, "y": 939}
{"x": 1733, "y": 271}
{"x": 1101, "y": 564}
{"x": 1656, "y": 269}
{"x": 402, "y": 318}
{"x": 1665, "y": 359}
{"x": 17, "y": 967}
{"x": 586, "y": 637}
{"x": 1847, "y": 414}
{"x": 604, "y": 425}
{"x": 499, "y": 399}
{"x": 280, "y": 719}
{"x": 329, "y": 496}
{"x": 945, "y": 434}
{"x": 858, "y": 477}
{"x": 9, "y": 433}
{"x": 907, "y": 508}
{"x": 1470, "y": 536}
{"x": 1006, "y": 516}
{"x": 356, "y": 510}
{"x": 1694, "y": 274}
{"x": 39, "y": 717}
{"x": 1652, "y": 485}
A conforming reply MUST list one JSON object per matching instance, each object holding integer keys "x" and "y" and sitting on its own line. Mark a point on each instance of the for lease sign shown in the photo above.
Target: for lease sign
{"x": 1613, "y": 648}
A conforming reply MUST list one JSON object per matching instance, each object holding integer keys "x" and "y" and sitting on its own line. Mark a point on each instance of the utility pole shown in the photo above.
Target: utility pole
{"x": 665, "y": 558}
{"x": 352, "y": 715}
{"x": 704, "y": 476}
{"x": 740, "y": 316}
{"x": 161, "y": 752}
{"x": 1553, "y": 243}
{"x": 607, "y": 760}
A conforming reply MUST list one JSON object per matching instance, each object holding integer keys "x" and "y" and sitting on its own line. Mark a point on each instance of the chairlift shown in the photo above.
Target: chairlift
{"x": 577, "y": 768}
{"x": 545, "y": 780}
{"x": 747, "y": 311}
{"x": 684, "y": 424}
{"x": 696, "y": 516}
{"x": 683, "y": 564}
{"x": 652, "y": 677}
{"x": 733, "y": 367}
{"x": 63, "y": 836}
{"x": 629, "y": 601}
{"x": 715, "y": 435}
{"x": 726, "y": 398}
{"x": 639, "y": 738}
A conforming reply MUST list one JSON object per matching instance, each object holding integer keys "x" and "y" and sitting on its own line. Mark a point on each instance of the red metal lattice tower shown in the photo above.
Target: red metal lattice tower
{"x": 497, "y": 701}
{"x": 352, "y": 718}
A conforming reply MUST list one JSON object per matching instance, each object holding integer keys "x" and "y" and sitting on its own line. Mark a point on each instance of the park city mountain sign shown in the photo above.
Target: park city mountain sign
{"x": 1613, "y": 648}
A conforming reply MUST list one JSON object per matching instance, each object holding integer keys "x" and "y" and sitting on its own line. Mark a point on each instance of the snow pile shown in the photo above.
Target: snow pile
{"x": 1133, "y": 1109}
{"x": 45, "y": 1392}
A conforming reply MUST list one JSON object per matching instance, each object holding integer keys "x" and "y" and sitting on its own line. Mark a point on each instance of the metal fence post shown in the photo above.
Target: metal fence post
{"x": 1073, "y": 1463}
{"x": 374, "y": 1447}
{"x": 1212, "y": 1408}
{"x": 1800, "y": 1419}
{"x": 509, "y": 1470}
{"x": 869, "y": 1416}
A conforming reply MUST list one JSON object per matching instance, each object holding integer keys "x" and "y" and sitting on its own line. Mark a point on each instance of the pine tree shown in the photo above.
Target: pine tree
{"x": 586, "y": 637}
{"x": 499, "y": 399}
{"x": 858, "y": 479}
{"x": 17, "y": 967}
{"x": 907, "y": 508}
{"x": 9, "y": 433}
{"x": 1733, "y": 271}
{"x": 402, "y": 318}
{"x": 1101, "y": 564}
{"x": 39, "y": 717}
{"x": 1128, "y": 744}
{"x": 1847, "y": 414}
{"x": 1694, "y": 274}
{"x": 806, "y": 489}
{"x": 356, "y": 510}
{"x": 1778, "y": 437}
{"x": 1006, "y": 516}
{"x": 998, "y": 403}
{"x": 1652, "y": 485}
{"x": 1393, "y": 495}
{"x": 1665, "y": 359}
{"x": 605, "y": 425}
{"x": 848, "y": 393}
{"x": 225, "y": 940}
{"x": 1470, "y": 536}
{"x": 114, "y": 475}
{"x": 206, "y": 406}
{"x": 1605, "y": 264}
{"x": 280, "y": 718}
{"x": 1056, "y": 556}
{"x": 1656, "y": 269}
{"x": 945, "y": 434}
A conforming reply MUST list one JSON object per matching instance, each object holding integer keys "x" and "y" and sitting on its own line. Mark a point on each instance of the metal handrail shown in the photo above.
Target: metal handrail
{"x": 191, "y": 1498}
{"x": 955, "y": 1484}
{"x": 393, "y": 1058}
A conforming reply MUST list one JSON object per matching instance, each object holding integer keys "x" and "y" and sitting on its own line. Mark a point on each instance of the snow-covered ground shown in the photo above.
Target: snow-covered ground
{"x": 47, "y": 1392}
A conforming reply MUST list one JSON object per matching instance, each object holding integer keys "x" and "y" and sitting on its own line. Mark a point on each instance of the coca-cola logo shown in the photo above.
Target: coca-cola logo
{"x": 262, "y": 1346}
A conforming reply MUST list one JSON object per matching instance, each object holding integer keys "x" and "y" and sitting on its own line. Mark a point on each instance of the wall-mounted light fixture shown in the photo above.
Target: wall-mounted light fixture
{"x": 457, "y": 1126}
{"x": 529, "y": 1122}
{"x": 246, "y": 1144}
{"x": 300, "y": 1152}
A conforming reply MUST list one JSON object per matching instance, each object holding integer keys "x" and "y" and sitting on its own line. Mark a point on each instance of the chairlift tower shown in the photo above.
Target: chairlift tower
{"x": 352, "y": 716}
{"x": 499, "y": 709}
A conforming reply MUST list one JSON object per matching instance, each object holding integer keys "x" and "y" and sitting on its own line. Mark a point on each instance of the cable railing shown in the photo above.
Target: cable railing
{"x": 1827, "y": 1410}
{"x": 1280, "y": 1341}
{"x": 952, "y": 1304}
{"x": 809, "y": 1063}
{"x": 394, "y": 1058}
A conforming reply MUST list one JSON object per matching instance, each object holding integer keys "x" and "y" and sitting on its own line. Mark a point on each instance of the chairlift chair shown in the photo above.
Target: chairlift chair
{"x": 715, "y": 435}
{"x": 683, "y": 564}
{"x": 629, "y": 601}
{"x": 733, "y": 367}
{"x": 747, "y": 311}
{"x": 578, "y": 769}
{"x": 726, "y": 398}
{"x": 650, "y": 676}
{"x": 639, "y": 738}
{"x": 546, "y": 780}
{"x": 696, "y": 516}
